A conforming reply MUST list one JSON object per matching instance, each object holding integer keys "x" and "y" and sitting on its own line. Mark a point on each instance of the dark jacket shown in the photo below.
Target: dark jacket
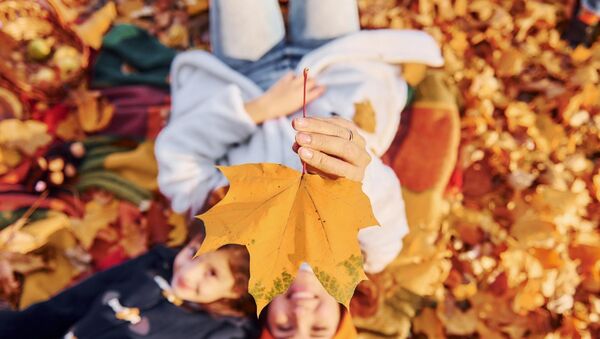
{"x": 84, "y": 311}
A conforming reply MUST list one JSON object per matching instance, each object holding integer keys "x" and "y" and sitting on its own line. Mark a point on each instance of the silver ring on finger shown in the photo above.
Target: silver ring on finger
{"x": 351, "y": 136}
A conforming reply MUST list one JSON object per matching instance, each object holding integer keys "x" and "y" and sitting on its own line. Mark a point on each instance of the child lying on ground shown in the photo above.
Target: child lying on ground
{"x": 237, "y": 105}
{"x": 306, "y": 310}
{"x": 162, "y": 294}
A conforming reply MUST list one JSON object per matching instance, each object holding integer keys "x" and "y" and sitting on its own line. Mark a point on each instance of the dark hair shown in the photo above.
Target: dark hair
{"x": 244, "y": 305}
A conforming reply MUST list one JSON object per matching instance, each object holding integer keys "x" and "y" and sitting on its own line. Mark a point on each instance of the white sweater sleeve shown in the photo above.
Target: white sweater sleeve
{"x": 381, "y": 244}
{"x": 188, "y": 148}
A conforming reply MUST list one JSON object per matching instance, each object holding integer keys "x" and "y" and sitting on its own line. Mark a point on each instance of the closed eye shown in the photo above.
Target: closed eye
{"x": 285, "y": 329}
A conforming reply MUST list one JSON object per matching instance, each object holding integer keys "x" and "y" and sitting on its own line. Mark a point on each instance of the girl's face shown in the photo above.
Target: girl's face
{"x": 204, "y": 279}
{"x": 306, "y": 310}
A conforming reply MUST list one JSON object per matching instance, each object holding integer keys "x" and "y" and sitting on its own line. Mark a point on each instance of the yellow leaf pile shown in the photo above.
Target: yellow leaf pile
{"x": 523, "y": 234}
{"x": 285, "y": 218}
{"x": 20, "y": 139}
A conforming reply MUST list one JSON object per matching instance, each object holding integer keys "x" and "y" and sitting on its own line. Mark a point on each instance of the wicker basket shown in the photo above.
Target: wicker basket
{"x": 23, "y": 23}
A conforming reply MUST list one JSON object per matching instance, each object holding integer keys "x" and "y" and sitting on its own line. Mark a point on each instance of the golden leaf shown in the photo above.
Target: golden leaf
{"x": 529, "y": 297}
{"x": 32, "y": 236}
{"x": 285, "y": 218}
{"x": 93, "y": 112}
{"x": 364, "y": 116}
{"x": 9, "y": 158}
{"x": 98, "y": 215}
{"x": 455, "y": 320}
{"x": 510, "y": 63}
{"x": 530, "y": 231}
{"x": 69, "y": 128}
{"x": 581, "y": 54}
{"x": 63, "y": 11}
{"x": 10, "y": 105}
{"x": 138, "y": 166}
{"x": 428, "y": 323}
{"x": 179, "y": 232}
{"x": 414, "y": 73}
{"x": 194, "y": 7}
{"x": 26, "y": 136}
{"x": 93, "y": 29}
{"x": 43, "y": 284}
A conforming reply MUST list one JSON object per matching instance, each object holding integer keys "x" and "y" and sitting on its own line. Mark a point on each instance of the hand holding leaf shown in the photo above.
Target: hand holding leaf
{"x": 285, "y": 218}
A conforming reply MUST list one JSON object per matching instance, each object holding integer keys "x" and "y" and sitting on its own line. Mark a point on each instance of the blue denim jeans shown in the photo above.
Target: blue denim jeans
{"x": 592, "y": 5}
{"x": 250, "y": 35}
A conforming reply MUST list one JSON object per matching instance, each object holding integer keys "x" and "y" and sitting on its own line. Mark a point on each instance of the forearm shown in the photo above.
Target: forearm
{"x": 189, "y": 147}
{"x": 258, "y": 109}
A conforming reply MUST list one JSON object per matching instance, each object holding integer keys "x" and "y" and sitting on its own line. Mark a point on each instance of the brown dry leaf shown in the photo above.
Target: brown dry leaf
{"x": 33, "y": 235}
{"x": 581, "y": 54}
{"x": 64, "y": 11}
{"x": 531, "y": 231}
{"x": 519, "y": 114}
{"x": 134, "y": 235}
{"x": 97, "y": 216}
{"x": 510, "y": 63}
{"x": 423, "y": 258}
{"x": 585, "y": 75}
{"x": 529, "y": 297}
{"x": 41, "y": 285}
{"x": 25, "y": 136}
{"x": 428, "y": 323}
{"x": 9, "y": 158}
{"x": 24, "y": 263}
{"x": 485, "y": 332}
{"x": 93, "y": 29}
{"x": 10, "y": 104}
{"x": 285, "y": 218}
{"x": 591, "y": 95}
{"x": 69, "y": 128}
{"x": 392, "y": 319}
{"x": 456, "y": 321}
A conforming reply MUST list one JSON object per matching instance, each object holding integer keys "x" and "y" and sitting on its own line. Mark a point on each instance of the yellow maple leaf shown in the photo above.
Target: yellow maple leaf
{"x": 93, "y": 29}
{"x": 98, "y": 215}
{"x": 93, "y": 112}
{"x": 285, "y": 218}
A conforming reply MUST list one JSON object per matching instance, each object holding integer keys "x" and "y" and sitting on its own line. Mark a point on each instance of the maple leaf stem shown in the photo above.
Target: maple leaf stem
{"x": 304, "y": 109}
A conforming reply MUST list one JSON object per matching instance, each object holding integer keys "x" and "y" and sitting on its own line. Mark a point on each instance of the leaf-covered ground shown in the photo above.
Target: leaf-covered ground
{"x": 517, "y": 250}
{"x": 522, "y": 233}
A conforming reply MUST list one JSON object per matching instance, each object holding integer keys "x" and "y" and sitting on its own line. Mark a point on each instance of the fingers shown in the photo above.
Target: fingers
{"x": 324, "y": 145}
{"x": 336, "y": 127}
{"x": 337, "y": 147}
{"x": 324, "y": 163}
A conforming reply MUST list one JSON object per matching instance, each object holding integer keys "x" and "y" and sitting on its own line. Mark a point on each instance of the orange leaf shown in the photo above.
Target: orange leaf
{"x": 285, "y": 218}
